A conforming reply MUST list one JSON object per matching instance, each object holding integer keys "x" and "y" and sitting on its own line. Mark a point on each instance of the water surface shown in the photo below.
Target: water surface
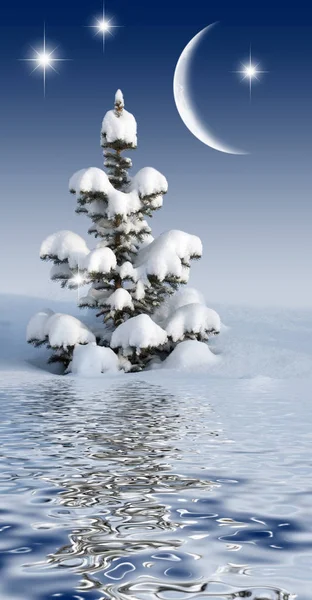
{"x": 136, "y": 488}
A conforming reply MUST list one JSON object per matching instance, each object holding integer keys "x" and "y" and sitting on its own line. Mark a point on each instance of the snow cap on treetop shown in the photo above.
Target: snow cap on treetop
{"x": 119, "y": 127}
{"x": 119, "y": 99}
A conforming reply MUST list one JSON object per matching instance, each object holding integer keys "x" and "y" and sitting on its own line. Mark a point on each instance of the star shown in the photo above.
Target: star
{"x": 250, "y": 71}
{"x": 44, "y": 60}
{"x": 103, "y": 26}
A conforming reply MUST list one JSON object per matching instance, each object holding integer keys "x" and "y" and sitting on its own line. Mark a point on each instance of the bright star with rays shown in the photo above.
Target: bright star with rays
{"x": 44, "y": 60}
{"x": 103, "y": 26}
{"x": 250, "y": 71}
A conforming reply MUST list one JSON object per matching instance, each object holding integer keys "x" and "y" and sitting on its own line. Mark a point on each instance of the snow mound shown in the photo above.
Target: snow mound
{"x": 64, "y": 331}
{"x": 35, "y": 331}
{"x": 138, "y": 332}
{"x": 119, "y": 300}
{"x": 90, "y": 180}
{"x": 193, "y": 319}
{"x": 91, "y": 360}
{"x": 120, "y": 127}
{"x": 190, "y": 356}
{"x": 169, "y": 255}
{"x": 100, "y": 260}
{"x": 64, "y": 246}
{"x": 149, "y": 182}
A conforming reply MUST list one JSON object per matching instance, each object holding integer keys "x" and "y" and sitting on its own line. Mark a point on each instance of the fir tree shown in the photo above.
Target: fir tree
{"x": 130, "y": 273}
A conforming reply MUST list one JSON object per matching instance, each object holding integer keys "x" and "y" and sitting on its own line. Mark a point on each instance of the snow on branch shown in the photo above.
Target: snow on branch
{"x": 35, "y": 333}
{"x": 119, "y": 300}
{"x": 149, "y": 182}
{"x": 91, "y": 180}
{"x": 90, "y": 184}
{"x": 193, "y": 319}
{"x": 138, "y": 333}
{"x": 186, "y": 295}
{"x": 100, "y": 260}
{"x": 58, "y": 330}
{"x": 122, "y": 204}
{"x": 64, "y": 246}
{"x": 94, "y": 297}
{"x": 168, "y": 256}
{"x": 64, "y": 331}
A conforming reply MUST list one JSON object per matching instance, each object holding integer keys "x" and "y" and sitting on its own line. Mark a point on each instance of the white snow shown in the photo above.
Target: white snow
{"x": 138, "y": 332}
{"x": 90, "y": 180}
{"x": 119, "y": 99}
{"x": 120, "y": 203}
{"x": 257, "y": 343}
{"x": 190, "y": 355}
{"x": 149, "y": 182}
{"x": 139, "y": 290}
{"x": 64, "y": 331}
{"x": 90, "y": 360}
{"x": 100, "y": 260}
{"x": 119, "y": 300}
{"x": 120, "y": 127}
{"x": 66, "y": 246}
{"x": 165, "y": 256}
{"x": 156, "y": 202}
{"x": 192, "y": 318}
{"x": 185, "y": 295}
{"x": 126, "y": 270}
{"x": 36, "y": 326}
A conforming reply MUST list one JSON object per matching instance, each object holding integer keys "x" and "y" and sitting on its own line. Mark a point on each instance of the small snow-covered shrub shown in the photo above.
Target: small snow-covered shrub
{"x": 133, "y": 278}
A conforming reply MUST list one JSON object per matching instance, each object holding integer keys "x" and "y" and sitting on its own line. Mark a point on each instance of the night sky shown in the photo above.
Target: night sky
{"x": 253, "y": 213}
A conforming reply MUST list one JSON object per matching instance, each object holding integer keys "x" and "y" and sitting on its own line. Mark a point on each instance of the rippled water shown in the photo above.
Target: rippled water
{"x": 138, "y": 489}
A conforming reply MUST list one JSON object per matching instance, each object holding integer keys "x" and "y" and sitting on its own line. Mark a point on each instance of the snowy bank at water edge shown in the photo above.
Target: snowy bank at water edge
{"x": 256, "y": 343}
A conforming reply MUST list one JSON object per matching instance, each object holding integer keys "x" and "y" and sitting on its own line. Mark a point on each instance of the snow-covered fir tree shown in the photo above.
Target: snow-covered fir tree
{"x": 133, "y": 279}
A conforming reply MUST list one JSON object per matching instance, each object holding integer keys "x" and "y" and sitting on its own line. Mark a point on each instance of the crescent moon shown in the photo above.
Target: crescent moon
{"x": 184, "y": 103}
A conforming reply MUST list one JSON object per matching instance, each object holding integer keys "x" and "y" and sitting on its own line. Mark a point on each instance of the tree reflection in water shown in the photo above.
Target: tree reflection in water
{"x": 122, "y": 472}
{"x": 118, "y": 469}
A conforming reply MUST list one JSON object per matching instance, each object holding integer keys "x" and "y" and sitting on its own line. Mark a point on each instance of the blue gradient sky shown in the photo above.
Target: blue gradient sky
{"x": 252, "y": 212}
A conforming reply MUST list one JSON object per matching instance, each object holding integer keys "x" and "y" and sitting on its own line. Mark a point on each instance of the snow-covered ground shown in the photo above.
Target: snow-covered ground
{"x": 253, "y": 343}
